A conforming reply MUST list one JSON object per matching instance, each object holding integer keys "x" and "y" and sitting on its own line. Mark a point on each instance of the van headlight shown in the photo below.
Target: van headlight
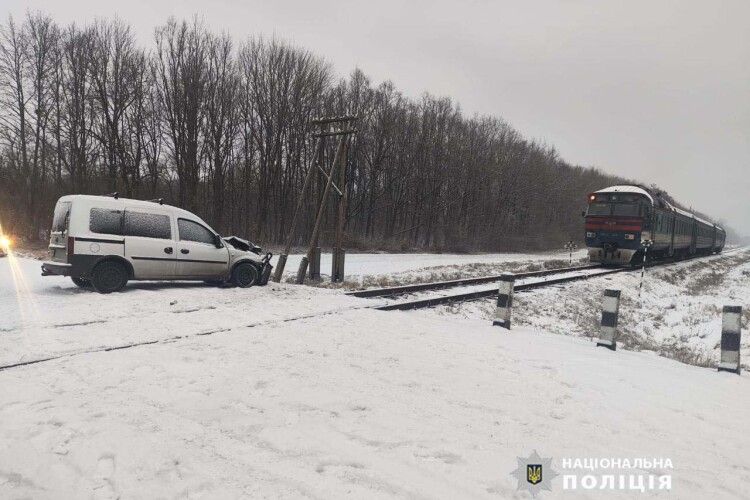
{"x": 589, "y": 234}
{"x": 629, "y": 236}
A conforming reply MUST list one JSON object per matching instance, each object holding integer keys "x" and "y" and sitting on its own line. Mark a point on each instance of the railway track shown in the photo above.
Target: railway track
{"x": 438, "y": 285}
{"x": 524, "y": 281}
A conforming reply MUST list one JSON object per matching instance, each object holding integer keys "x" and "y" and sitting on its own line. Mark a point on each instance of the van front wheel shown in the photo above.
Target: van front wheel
{"x": 245, "y": 275}
{"x": 109, "y": 276}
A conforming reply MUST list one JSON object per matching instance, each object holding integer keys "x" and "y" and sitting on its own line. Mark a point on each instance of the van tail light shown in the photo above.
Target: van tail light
{"x": 71, "y": 246}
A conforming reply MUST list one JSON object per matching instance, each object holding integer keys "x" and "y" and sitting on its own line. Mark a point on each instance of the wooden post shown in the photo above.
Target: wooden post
{"x": 337, "y": 265}
{"x": 290, "y": 238}
{"x": 315, "y": 264}
{"x": 313, "y": 239}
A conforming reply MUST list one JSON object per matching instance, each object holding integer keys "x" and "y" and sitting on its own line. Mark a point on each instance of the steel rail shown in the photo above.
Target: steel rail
{"x": 490, "y": 292}
{"x": 438, "y": 285}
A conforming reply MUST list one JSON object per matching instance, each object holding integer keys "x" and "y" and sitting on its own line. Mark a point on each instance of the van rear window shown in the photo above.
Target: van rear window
{"x": 105, "y": 221}
{"x": 61, "y": 217}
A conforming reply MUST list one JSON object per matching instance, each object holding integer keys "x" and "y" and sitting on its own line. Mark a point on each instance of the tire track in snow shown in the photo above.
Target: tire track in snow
{"x": 175, "y": 338}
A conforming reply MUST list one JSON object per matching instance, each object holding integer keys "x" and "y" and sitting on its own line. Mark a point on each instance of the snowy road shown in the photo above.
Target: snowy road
{"x": 343, "y": 403}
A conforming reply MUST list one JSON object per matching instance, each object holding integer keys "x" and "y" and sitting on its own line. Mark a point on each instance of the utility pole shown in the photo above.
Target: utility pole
{"x": 325, "y": 125}
{"x": 339, "y": 161}
{"x": 338, "y": 254}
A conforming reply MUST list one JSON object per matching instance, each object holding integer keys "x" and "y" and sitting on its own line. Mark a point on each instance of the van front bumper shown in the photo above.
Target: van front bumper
{"x": 56, "y": 269}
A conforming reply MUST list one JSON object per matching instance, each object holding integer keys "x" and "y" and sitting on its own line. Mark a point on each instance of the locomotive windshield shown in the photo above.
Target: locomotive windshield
{"x": 599, "y": 209}
{"x": 627, "y": 205}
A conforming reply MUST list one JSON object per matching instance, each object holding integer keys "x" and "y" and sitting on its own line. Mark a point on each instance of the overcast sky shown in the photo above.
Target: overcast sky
{"x": 654, "y": 90}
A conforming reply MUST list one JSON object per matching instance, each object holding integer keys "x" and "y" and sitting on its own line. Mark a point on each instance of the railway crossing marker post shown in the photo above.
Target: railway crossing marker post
{"x": 731, "y": 333}
{"x": 610, "y": 311}
{"x": 646, "y": 244}
{"x": 570, "y": 246}
{"x": 504, "y": 300}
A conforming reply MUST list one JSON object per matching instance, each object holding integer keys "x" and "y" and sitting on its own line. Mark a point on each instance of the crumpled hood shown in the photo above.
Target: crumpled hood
{"x": 242, "y": 244}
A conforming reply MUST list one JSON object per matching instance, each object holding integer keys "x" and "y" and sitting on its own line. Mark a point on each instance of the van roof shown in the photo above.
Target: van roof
{"x": 129, "y": 202}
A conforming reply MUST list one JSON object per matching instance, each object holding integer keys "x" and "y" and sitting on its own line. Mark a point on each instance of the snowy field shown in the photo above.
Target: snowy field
{"x": 288, "y": 391}
{"x": 369, "y": 269}
{"x": 678, "y": 314}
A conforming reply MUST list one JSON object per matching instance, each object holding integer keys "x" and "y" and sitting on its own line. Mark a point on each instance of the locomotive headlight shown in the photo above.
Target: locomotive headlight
{"x": 589, "y": 234}
{"x": 5, "y": 242}
{"x": 629, "y": 236}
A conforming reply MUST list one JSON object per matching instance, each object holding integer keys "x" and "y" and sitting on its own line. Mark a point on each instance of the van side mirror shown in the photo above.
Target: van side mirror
{"x": 217, "y": 241}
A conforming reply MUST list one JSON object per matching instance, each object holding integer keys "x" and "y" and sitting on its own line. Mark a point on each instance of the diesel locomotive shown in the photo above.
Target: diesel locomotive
{"x": 624, "y": 223}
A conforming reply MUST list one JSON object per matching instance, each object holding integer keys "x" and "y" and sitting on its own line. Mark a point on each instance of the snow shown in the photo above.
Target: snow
{"x": 407, "y": 265}
{"x": 678, "y": 314}
{"x": 304, "y": 392}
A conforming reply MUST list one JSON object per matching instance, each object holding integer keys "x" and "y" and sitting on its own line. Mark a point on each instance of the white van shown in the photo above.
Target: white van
{"x": 104, "y": 241}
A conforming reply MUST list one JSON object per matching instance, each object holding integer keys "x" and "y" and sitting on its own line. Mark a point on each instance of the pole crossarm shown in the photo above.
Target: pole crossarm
{"x": 335, "y": 132}
{"x": 333, "y": 119}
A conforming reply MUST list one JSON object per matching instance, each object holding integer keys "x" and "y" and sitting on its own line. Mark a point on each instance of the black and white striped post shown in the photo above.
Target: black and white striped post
{"x": 610, "y": 310}
{"x": 570, "y": 246}
{"x": 731, "y": 332}
{"x": 646, "y": 244}
{"x": 504, "y": 300}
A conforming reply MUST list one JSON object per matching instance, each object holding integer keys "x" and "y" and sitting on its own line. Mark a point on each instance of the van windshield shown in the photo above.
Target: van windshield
{"x": 61, "y": 217}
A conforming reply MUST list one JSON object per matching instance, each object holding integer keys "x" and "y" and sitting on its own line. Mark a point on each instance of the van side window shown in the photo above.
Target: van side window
{"x": 192, "y": 231}
{"x": 147, "y": 225}
{"x": 105, "y": 221}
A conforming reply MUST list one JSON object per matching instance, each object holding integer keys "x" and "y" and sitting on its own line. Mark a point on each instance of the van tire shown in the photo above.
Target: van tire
{"x": 245, "y": 275}
{"x": 81, "y": 282}
{"x": 109, "y": 276}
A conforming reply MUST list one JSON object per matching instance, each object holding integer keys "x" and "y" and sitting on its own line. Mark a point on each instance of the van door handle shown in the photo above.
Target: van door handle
{"x": 184, "y": 250}
{"x": 168, "y": 250}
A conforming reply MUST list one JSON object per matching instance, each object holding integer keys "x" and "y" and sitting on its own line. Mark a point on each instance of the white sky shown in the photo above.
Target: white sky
{"x": 655, "y": 90}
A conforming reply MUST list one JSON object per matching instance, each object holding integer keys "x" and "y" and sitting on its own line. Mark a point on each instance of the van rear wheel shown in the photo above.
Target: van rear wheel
{"x": 109, "y": 276}
{"x": 245, "y": 275}
{"x": 81, "y": 282}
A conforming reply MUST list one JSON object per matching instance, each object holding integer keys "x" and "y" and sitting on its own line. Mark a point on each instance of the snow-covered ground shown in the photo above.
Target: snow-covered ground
{"x": 367, "y": 269}
{"x": 288, "y": 391}
{"x": 678, "y": 314}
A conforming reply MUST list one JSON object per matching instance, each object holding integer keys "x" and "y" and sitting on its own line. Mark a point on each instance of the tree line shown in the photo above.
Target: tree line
{"x": 223, "y": 129}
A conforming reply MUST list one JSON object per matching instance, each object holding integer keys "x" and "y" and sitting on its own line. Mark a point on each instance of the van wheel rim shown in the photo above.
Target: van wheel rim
{"x": 245, "y": 275}
{"x": 111, "y": 278}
